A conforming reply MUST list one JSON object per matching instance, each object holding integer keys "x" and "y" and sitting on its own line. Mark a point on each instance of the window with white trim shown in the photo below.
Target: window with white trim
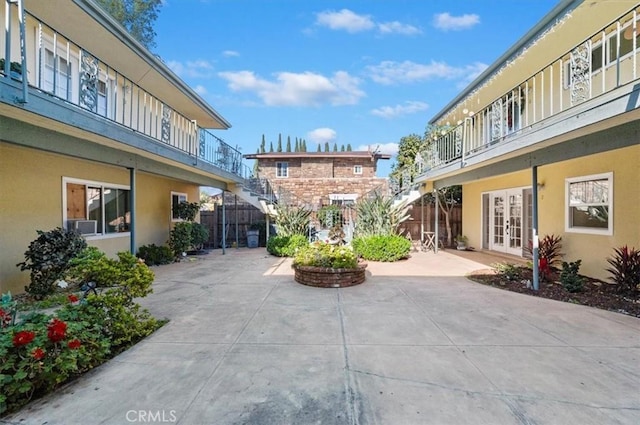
{"x": 104, "y": 207}
{"x": 357, "y": 169}
{"x": 343, "y": 198}
{"x": 282, "y": 169}
{"x": 57, "y": 74}
{"x": 589, "y": 204}
{"x": 176, "y": 198}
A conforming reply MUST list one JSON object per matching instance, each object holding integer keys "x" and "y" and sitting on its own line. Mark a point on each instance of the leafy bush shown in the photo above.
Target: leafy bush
{"x": 292, "y": 220}
{"x": 320, "y": 254}
{"x": 155, "y": 255}
{"x": 285, "y": 246}
{"x": 42, "y": 351}
{"x": 382, "y": 247}
{"x": 199, "y": 236}
{"x": 180, "y": 238}
{"x": 187, "y": 210}
{"x": 376, "y": 215}
{"x": 625, "y": 269}
{"x": 329, "y": 216}
{"x": 548, "y": 254}
{"x": 48, "y": 258}
{"x": 509, "y": 271}
{"x": 569, "y": 277}
{"x": 127, "y": 272}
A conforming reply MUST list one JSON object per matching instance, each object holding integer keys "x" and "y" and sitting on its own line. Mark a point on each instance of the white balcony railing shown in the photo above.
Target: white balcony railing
{"x": 605, "y": 61}
{"x": 60, "y": 68}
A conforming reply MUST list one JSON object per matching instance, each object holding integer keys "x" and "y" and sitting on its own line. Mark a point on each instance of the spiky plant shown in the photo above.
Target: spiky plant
{"x": 376, "y": 215}
{"x": 625, "y": 269}
{"x": 292, "y": 220}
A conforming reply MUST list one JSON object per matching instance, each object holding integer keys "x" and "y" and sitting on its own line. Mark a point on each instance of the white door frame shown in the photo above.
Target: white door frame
{"x": 507, "y": 223}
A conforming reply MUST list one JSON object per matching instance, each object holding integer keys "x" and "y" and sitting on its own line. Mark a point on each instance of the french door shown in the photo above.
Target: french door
{"x": 507, "y": 221}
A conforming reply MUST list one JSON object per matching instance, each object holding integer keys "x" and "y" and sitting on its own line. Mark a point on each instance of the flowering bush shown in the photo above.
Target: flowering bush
{"x": 38, "y": 352}
{"x": 322, "y": 254}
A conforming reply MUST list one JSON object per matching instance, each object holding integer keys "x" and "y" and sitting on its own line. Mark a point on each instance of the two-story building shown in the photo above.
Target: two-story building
{"x": 96, "y": 134}
{"x": 547, "y": 139}
{"x": 314, "y": 179}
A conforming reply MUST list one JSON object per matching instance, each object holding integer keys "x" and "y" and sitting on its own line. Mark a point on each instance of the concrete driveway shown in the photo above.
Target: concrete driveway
{"x": 417, "y": 343}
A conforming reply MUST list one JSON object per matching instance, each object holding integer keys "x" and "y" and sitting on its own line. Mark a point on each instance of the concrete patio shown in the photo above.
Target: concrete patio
{"x": 417, "y": 343}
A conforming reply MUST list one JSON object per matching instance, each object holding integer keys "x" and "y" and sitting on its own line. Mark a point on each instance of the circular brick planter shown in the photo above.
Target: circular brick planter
{"x": 325, "y": 277}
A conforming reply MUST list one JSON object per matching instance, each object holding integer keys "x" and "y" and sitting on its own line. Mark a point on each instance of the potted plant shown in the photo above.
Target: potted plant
{"x": 461, "y": 243}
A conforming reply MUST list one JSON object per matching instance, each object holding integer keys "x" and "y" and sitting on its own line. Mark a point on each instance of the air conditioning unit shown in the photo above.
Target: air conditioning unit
{"x": 85, "y": 227}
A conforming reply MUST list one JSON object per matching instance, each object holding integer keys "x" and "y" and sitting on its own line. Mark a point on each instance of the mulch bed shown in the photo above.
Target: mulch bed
{"x": 596, "y": 293}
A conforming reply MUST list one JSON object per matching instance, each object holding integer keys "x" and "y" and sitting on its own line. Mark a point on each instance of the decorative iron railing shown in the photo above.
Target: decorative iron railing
{"x": 610, "y": 58}
{"x": 61, "y": 68}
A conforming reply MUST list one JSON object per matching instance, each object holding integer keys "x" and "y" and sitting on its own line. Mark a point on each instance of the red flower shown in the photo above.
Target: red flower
{"x": 74, "y": 344}
{"x": 23, "y": 338}
{"x": 57, "y": 330}
{"x": 72, "y": 298}
{"x": 5, "y": 318}
{"x": 38, "y": 353}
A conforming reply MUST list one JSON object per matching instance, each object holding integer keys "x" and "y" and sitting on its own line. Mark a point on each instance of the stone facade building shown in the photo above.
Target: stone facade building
{"x": 314, "y": 179}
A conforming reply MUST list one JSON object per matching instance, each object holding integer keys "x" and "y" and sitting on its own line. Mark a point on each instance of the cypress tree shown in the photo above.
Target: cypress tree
{"x": 270, "y": 146}
{"x": 342, "y": 148}
{"x": 348, "y": 147}
{"x": 263, "y": 145}
{"x": 326, "y": 146}
{"x": 304, "y": 146}
{"x": 319, "y": 150}
{"x": 288, "y": 143}
{"x": 335, "y": 147}
{"x": 297, "y": 148}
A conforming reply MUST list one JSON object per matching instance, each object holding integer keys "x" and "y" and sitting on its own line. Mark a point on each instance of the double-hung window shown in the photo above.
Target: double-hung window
{"x": 96, "y": 208}
{"x": 176, "y": 198}
{"x": 589, "y": 204}
{"x": 57, "y": 74}
{"x": 282, "y": 169}
{"x": 357, "y": 169}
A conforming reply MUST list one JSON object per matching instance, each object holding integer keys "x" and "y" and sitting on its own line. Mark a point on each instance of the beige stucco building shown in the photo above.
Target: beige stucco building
{"x": 550, "y": 133}
{"x": 96, "y": 133}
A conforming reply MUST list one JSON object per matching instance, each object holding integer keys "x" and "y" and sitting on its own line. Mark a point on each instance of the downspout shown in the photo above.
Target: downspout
{"x": 224, "y": 225}
{"x": 435, "y": 218}
{"x": 23, "y": 54}
{"x": 534, "y": 225}
{"x": 132, "y": 210}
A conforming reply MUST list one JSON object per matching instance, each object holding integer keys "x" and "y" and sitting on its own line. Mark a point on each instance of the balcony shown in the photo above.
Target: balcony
{"x": 51, "y": 75}
{"x": 594, "y": 82}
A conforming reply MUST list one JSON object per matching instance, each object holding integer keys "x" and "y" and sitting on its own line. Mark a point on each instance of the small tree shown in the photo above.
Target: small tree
{"x": 288, "y": 143}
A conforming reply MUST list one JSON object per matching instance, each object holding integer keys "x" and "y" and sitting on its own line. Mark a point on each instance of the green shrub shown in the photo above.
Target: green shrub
{"x": 48, "y": 258}
{"x": 508, "y": 271}
{"x": 625, "y": 269}
{"x": 40, "y": 352}
{"x": 569, "y": 277}
{"x": 154, "y": 255}
{"x": 320, "y": 254}
{"x": 199, "y": 236}
{"x": 285, "y": 246}
{"x": 187, "y": 210}
{"x": 382, "y": 247}
{"x": 180, "y": 238}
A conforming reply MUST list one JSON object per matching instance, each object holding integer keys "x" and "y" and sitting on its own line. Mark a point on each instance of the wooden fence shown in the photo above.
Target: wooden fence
{"x": 423, "y": 216}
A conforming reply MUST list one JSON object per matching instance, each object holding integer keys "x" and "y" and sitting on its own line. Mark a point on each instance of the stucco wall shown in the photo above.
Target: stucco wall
{"x": 591, "y": 249}
{"x": 31, "y": 192}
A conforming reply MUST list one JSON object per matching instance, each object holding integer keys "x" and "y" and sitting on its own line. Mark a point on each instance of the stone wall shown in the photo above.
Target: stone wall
{"x": 315, "y": 192}
{"x": 319, "y": 168}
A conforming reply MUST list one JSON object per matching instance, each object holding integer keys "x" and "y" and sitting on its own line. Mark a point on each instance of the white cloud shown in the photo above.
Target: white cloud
{"x": 201, "y": 90}
{"x": 322, "y": 135}
{"x": 385, "y": 148}
{"x": 390, "y": 72}
{"x": 349, "y": 21}
{"x": 399, "y": 28}
{"x": 345, "y": 20}
{"x": 298, "y": 89}
{"x": 446, "y": 21}
{"x": 409, "y": 107}
{"x": 230, "y": 53}
{"x": 193, "y": 69}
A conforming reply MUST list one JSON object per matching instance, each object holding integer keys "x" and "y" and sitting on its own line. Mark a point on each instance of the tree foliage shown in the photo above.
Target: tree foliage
{"x": 137, "y": 16}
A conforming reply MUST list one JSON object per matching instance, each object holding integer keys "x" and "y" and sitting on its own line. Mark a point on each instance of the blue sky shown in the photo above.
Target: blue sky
{"x": 365, "y": 72}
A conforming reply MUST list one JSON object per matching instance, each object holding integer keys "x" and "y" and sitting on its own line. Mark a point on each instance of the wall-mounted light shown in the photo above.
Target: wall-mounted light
{"x": 541, "y": 185}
